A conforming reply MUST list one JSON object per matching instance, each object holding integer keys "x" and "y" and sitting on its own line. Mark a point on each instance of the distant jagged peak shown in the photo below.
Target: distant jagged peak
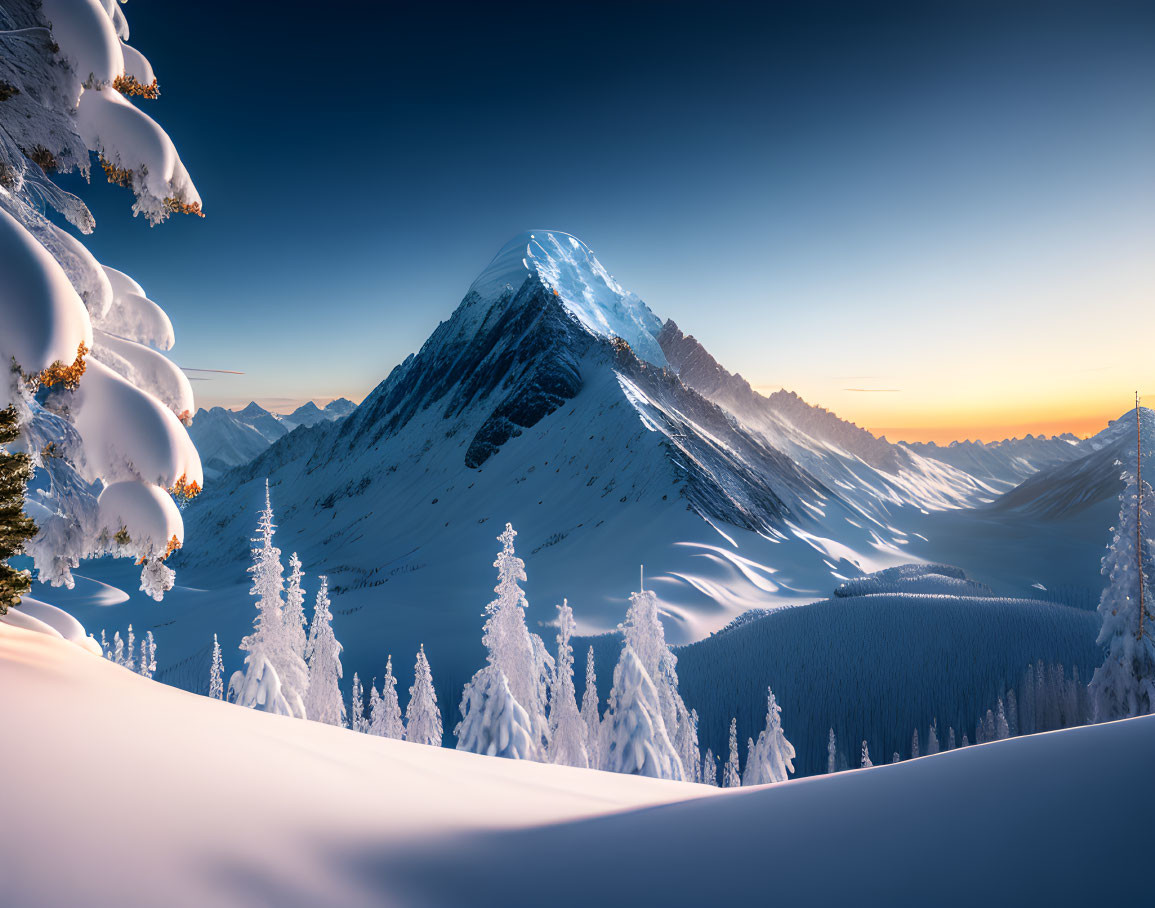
{"x": 569, "y": 269}
{"x": 253, "y": 409}
{"x": 700, "y": 371}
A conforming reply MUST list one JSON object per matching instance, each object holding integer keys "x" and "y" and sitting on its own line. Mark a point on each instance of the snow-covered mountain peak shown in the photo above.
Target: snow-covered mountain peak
{"x": 568, "y": 267}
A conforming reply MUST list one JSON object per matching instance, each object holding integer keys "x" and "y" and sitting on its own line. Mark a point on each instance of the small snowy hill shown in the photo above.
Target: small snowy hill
{"x": 886, "y": 655}
{"x": 178, "y": 800}
{"x": 1004, "y": 464}
{"x": 1068, "y": 489}
{"x": 229, "y": 438}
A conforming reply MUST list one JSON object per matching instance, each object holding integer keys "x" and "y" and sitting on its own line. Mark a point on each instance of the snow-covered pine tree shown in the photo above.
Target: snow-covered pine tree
{"x": 1124, "y": 685}
{"x": 323, "y": 700}
{"x": 686, "y": 744}
{"x": 99, "y": 412}
{"x": 422, "y": 717}
{"x": 493, "y": 722}
{"x": 376, "y": 716}
{"x": 590, "y": 713}
{"x": 950, "y": 743}
{"x": 831, "y": 753}
{"x": 357, "y": 720}
{"x": 385, "y": 720}
{"x": 731, "y": 776}
{"x": 1002, "y": 727}
{"x": 290, "y": 663}
{"x": 635, "y": 738}
{"x": 130, "y": 650}
{"x": 990, "y": 731}
{"x": 932, "y": 739}
{"x": 710, "y": 769}
{"x": 16, "y": 527}
{"x": 965, "y": 742}
{"x": 148, "y": 655}
{"x": 216, "y": 673}
{"x": 914, "y": 745}
{"x": 567, "y": 731}
{"x": 117, "y": 648}
{"x": 865, "y": 762}
{"x": 771, "y": 758}
{"x": 644, "y": 633}
{"x": 254, "y": 686}
{"x": 512, "y": 650}
{"x": 895, "y": 757}
{"x": 1013, "y": 712}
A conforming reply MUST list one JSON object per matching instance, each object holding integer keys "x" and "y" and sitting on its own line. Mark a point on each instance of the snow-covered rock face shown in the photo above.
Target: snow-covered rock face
{"x": 567, "y": 266}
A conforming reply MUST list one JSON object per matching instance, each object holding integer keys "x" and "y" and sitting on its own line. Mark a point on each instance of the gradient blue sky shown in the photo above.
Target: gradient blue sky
{"x": 955, "y": 201}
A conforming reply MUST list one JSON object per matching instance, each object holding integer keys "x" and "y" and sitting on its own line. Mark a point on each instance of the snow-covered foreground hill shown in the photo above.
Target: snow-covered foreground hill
{"x": 122, "y": 791}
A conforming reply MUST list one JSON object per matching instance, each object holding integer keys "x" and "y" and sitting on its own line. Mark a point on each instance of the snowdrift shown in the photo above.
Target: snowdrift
{"x": 205, "y": 803}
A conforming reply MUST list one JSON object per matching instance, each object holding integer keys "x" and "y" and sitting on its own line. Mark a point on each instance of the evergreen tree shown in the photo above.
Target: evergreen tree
{"x": 567, "y": 731}
{"x": 216, "y": 673}
{"x": 950, "y": 744}
{"x": 376, "y": 717}
{"x": 16, "y": 527}
{"x": 635, "y": 739}
{"x": 932, "y": 739}
{"x": 895, "y": 757}
{"x": 422, "y": 717}
{"x": 385, "y": 719}
{"x": 865, "y": 763}
{"x": 990, "y": 732}
{"x": 358, "y": 722}
{"x": 1002, "y": 728}
{"x": 831, "y": 753}
{"x": 590, "y": 713}
{"x": 1124, "y": 685}
{"x": 290, "y": 662}
{"x": 914, "y": 745}
{"x": 1013, "y": 712}
{"x": 710, "y": 769}
{"x": 323, "y": 700}
{"x": 771, "y": 758}
{"x": 731, "y": 776}
{"x": 512, "y": 648}
{"x": 686, "y": 744}
{"x": 148, "y": 655}
{"x": 493, "y": 722}
{"x": 644, "y": 633}
{"x": 259, "y": 685}
{"x": 130, "y": 650}
{"x": 117, "y": 648}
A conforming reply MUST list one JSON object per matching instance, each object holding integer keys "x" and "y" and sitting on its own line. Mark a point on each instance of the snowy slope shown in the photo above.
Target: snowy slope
{"x": 178, "y": 800}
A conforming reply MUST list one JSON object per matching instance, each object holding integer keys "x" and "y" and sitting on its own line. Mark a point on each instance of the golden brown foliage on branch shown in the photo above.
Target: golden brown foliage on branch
{"x": 176, "y": 205}
{"x": 173, "y": 545}
{"x": 69, "y": 376}
{"x": 116, "y": 175}
{"x": 128, "y": 85}
{"x": 184, "y": 489}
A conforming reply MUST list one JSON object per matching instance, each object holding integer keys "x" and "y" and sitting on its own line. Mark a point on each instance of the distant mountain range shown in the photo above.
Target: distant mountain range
{"x": 229, "y": 438}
